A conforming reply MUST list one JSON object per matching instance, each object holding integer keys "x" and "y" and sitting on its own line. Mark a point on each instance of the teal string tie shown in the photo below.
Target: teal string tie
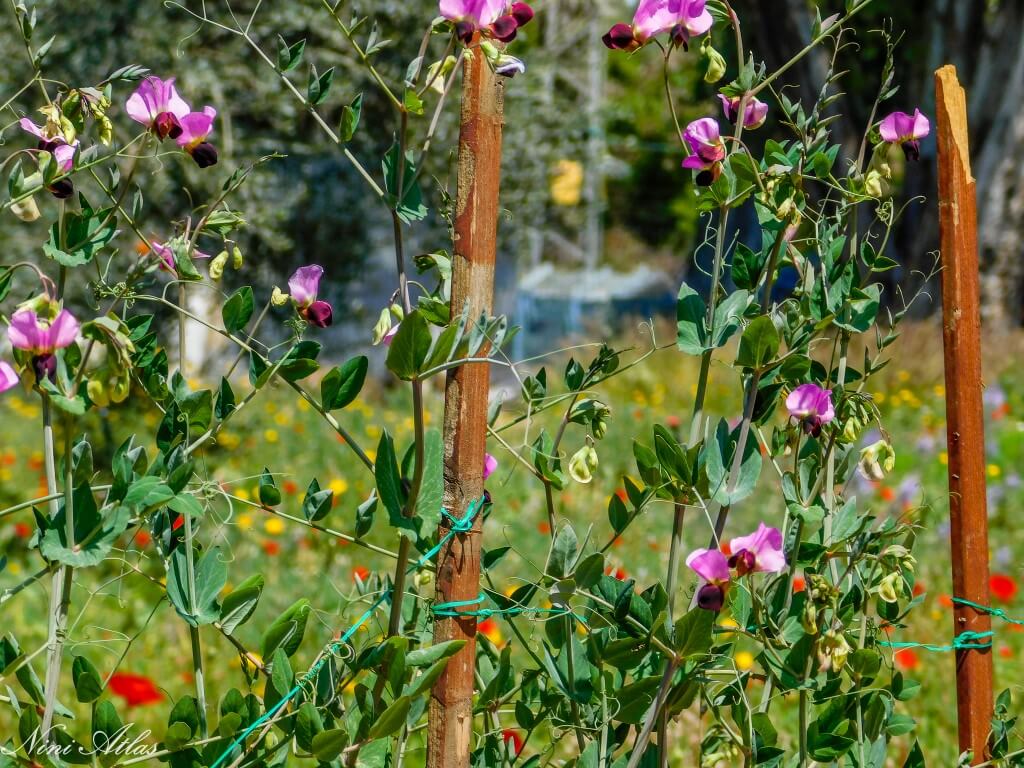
{"x": 451, "y": 610}
{"x": 965, "y": 641}
{"x": 999, "y": 613}
{"x": 458, "y": 526}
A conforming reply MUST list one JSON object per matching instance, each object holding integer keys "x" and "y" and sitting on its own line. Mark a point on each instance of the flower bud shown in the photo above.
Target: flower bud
{"x": 26, "y": 209}
{"x": 380, "y": 330}
{"x": 236, "y": 258}
{"x": 715, "y": 62}
{"x": 873, "y": 184}
{"x": 833, "y": 651}
{"x": 582, "y": 464}
{"x": 278, "y": 298}
{"x": 876, "y": 461}
{"x": 217, "y": 265}
{"x": 97, "y": 391}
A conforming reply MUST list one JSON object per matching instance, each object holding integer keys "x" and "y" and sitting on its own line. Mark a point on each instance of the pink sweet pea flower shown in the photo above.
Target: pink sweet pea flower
{"x": 712, "y": 566}
{"x": 157, "y": 105}
{"x": 53, "y": 142}
{"x": 495, "y": 18}
{"x": 8, "y": 376}
{"x": 195, "y": 128}
{"x": 760, "y": 552}
{"x": 304, "y": 286}
{"x": 707, "y": 149}
{"x": 907, "y": 131}
{"x": 812, "y": 405}
{"x": 490, "y": 465}
{"x": 754, "y": 115}
{"x": 683, "y": 18}
{"x": 165, "y": 253}
{"x": 41, "y": 337}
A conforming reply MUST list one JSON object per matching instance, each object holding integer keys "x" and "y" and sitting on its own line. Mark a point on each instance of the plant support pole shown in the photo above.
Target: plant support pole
{"x": 465, "y": 407}
{"x": 961, "y": 332}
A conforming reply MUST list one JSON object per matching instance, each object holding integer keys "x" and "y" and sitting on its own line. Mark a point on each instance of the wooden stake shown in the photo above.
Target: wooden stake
{"x": 465, "y": 415}
{"x": 961, "y": 332}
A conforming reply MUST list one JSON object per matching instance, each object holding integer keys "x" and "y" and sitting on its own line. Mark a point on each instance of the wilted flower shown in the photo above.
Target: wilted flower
{"x": 907, "y": 131}
{"x": 683, "y": 18}
{"x": 754, "y": 115}
{"x": 760, "y": 552}
{"x": 706, "y": 147}
{"x": 304, "y": 286}
{"x": 876, "y": 460}
{"x": 712, "y": 566}
{"x": 8, "y": 376}
{"x": 812, "y": 405}
{"x": 495, "y": 18}
{"x": 157, "y": 105}
{"x": 195, "y": 128}
{"x": 582, "y": 464}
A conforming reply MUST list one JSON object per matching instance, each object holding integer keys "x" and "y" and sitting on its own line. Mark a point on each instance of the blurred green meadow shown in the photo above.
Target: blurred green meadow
{"x": 134, "y": 630}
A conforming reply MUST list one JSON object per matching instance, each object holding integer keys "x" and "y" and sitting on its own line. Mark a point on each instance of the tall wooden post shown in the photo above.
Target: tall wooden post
{"x": 465, "y": 408}
{"x": 961, "y": 332}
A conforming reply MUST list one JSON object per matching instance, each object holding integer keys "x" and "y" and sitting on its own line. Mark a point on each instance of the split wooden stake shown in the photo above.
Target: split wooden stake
{"x": 961, "y": 332}
{"x": 465, "y": 414}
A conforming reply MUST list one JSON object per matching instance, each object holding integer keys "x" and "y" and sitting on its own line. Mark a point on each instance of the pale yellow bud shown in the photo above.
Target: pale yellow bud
{"x": 26, "y": 209}
{"x": 278, "y": 298}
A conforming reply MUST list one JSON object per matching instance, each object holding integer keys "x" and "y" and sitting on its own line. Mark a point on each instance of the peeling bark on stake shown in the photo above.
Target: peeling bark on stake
{"x": 465, "y": 417}
{"x": 961, "y": 331}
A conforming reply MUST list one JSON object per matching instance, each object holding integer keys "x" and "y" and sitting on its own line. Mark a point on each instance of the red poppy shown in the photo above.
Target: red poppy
{"x": 289, "y": 487}
{"x": 616, "y": 573}
{"x": 178, "y": 522}
{"x": 489, "y": 628}
{"x": 906, "y": 659}
{"x": 513, "y": 736}
{"x": 1003, "y": 587}
{"x": 361, "y": 572}
{"x": 887, "y": 493}
{"x": 142, "y": 538}
{"x": 799, "y": 585}
{"x": 673, "y": 422}
{"x": 271, "y": 547}
{"x": 1001, "y": 412}
{"x": 945, "y": 601}
{"x": 919, "y": 589}
{"x": 623, "y": 496}
{"x": 1006, "y": 651}
{"x": 22, "y": 530}
{"x": 544, "y": 527}
{"x": 725, "y": 548}
{"x": 136, "y": 690}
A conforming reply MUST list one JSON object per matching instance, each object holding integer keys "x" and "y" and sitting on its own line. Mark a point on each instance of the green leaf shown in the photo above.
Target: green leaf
{"x": 270, "y": 495}
{"x": 86, "y": 679}
{"x": 319, "y": 85}
{"x": 289, "y": 56}
{"x": 430, "y": 500}
{"x": 327, "y": 745}
{"x": 350, "y": 115}
{"x": 287, "y": 629}
{"x": 759, "y": 344}
{"x": 409, "y": 347}
{"x": 692, "y": 634}
{"x": 410, "y": 208}
{"x": 308, "y": 725}
{"x": 224, "y": 405}
{"x": 94, "y": 531}
{"x": 389, "y": 481}
{"x": 317, "y": 503}
{"x": 211, "y": 574}
{"x": 238, "y": 309}
{"x": 691, "y": 314}
{"x": 424, "y": 657}
{"x": 240, "y": 603}
{"x": 391, "y": 719}
{"x": 342, "y": 384}
{"x": 563, "y": 553}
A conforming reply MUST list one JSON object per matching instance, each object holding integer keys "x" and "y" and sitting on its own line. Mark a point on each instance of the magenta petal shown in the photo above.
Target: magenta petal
{"x": 710, "y": 564}
{"x": 305, "y": 284}
{"x": 63, "y": 330}
{"x": 196, "y": 126}
{"x": 8, "y": 376}
{"x": 694, "y": 163}
{"x": 810, "y": 401}
{"x": 765, "y": 544}
{"x": 30, "y": 127}
{"x": 64, "y": 154}
{"x": 490, "y": 465}
{"x": 24, "y": 331}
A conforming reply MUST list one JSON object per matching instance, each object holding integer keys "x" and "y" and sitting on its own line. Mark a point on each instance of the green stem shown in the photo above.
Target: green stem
{"x": 190, "y": 571}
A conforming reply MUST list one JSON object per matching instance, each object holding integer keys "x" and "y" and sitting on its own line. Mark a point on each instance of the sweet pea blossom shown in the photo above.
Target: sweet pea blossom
{"x": 706, "y": 147}
{"x": 157, "y": 105}
{"x": 760, "y": 552}
{"x": 683, "y": 18}
{"x": 490, "y": 465}
{"x": 195, "y": 128}
{"x": 494, "y": 18}
{"x": 754, "y": 115}
{"x": 53, "y": 141}
{"x": 712, "y": 566}
{"x": 811, "y": 405}
{"x": 907, "y": 131}
{"x": 42, "y": 337}
{"x": 165, "y": 253}
{"x": 8, "y": 376}
{"x": 304, "y": 286}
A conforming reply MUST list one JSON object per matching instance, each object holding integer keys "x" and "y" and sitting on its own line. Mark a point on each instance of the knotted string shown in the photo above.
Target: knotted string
{"x": 449, "y": 610}
{"x": 977, "y": 641}
{"x": 458, "y": 526}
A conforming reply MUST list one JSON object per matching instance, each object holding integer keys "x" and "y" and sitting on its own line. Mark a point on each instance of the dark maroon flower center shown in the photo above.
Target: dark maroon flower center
{"x": 166, "y": 126}
{"x": 464, "y": 30}
{"x": 620, "y": 38}
{"x": 45, "y": 367}
{"x": 62, "y": 189}
{"x": 912, "y": 150}
{"x": 743, "y": 562}
{"x": 204, "y": 154}
{"x": 681, "y": 37}
{"x": 711, "y": 597}
{"x": 522, "y": 13}
{"x": 504, "y": 28}
{"x": 319, "y": 314}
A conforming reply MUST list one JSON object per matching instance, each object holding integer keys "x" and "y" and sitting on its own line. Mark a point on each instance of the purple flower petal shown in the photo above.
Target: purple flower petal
{"x": 8, "y": 376}
{"x": 765, "y": 544}
{"x": 305, "y": 284}
{"x": 490, "y": 465}
{"x": 710, "y": 564}
{"x": 63, "y": 330}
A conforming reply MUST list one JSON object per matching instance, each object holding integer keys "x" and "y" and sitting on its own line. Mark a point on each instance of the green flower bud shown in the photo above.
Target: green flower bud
{"x": 715, "y": 62}
{"x": 874, "y": 185}
{"x": 278, "y": 298}
{"x": 891, "y": 587}
{"x": 833, "y": 651}
{"x": 217, "y": 265}
{"x": 382, "y": 327}
{"x": 236, "y": 258}
{"x": 876, "y": 461}
{"x": 582, "y": 464}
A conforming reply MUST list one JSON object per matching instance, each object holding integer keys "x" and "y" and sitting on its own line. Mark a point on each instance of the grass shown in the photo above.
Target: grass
{"x": 120, "y": 620}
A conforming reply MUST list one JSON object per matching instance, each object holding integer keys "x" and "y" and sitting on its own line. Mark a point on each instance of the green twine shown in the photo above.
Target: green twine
{"x": 457, "y": 526}
{"x": 965, "y": 641}
{"x": 449, "y": 610}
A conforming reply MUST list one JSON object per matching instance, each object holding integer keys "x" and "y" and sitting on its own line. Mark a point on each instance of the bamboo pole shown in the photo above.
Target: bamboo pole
{"x": 465, "y": 417}
{"x": 961, "y": 332}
